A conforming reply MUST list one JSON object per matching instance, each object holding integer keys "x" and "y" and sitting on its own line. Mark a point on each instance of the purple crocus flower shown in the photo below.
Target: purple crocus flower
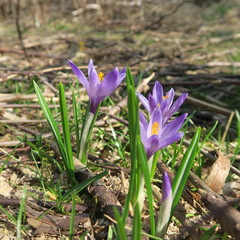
{"x": 156, "y": 135}
{"x": 166, "y": 189}
{"x": 157, "y": 99}
{"x": 166, "y": 207}
{"x": 98, "y": 86}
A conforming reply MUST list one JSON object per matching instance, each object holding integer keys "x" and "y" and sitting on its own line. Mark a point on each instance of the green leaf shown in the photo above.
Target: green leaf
{"x": 137, "y": 226}
{"x": 66, "y": 132}
{"x": 184, "y": 169}
{"x": 133, "y": 126}
{"x": 53, "y": 126}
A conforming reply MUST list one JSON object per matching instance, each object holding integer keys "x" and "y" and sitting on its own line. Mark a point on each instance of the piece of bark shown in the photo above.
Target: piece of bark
{"x": 227, "y": 216}
{"x": 219, "y": 172}
{"x": 106, "y": 199}
{"x": 219, "y": 206}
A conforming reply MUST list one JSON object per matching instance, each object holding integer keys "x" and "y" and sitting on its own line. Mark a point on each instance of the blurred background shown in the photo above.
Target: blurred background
{"x": 56, "y": 30}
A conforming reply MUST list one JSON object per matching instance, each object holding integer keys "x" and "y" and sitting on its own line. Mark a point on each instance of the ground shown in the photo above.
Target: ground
{"x": 192, "y": 48}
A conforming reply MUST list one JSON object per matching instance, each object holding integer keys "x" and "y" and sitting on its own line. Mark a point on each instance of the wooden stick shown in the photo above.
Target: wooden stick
{"x": 9, "y": 97}
{"x": 206, "y": 105}
{"x": 22, "y": 121}
{"x": 227, "y": 126}
{"x": 14, "y": 73}
{"x": 2, "y": 105}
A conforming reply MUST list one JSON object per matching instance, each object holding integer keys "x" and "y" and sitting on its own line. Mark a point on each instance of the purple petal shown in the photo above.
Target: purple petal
{"x": 94, "y": 105}
{"x": 143, "y": 129}
{"x": 168, "y": 141}
{"x": 92, "y": 75}
{"x": 79, "y": 75}
{"x": 143, "y": 121}
{"x": 177, "y": 104}
{"x": 173, "y": 126}
{"x": 156, "y": 118}
{"x": 158, "y": 92}
{"x": 109, "y": 83}
{"x": 166, "y": 103}
{"x": 166, "y": 187}
{"x": 144, "y": 101}
{"x": 152, "y": 103}
{"x": 153, "y": 144}
{"x": 122, "y": 75}
{"x": 143, "y": 134}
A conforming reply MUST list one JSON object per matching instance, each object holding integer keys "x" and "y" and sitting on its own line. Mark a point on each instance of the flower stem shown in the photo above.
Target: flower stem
{"x": 141, "y": 192}
{"x": 82, "y": 156}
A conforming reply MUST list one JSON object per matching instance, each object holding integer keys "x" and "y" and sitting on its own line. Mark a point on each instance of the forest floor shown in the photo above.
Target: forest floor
{"x": 194, "y": 49}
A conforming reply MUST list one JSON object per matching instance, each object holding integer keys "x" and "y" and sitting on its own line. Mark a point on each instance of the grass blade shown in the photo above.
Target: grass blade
{"x": 79, "y": 187}
{"x": 20, "y": 214}
{"x": 121, "y": 232}
{"x": 76, "y": 123}
{"x": 73, "y": 213}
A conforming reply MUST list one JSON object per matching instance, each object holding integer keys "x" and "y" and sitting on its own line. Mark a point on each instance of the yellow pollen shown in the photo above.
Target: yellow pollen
{"x": 158, "y": 104}
{"x": 155, "y": 128}
{"x": 165, "y": 97}
{"x": 101, "y": 76}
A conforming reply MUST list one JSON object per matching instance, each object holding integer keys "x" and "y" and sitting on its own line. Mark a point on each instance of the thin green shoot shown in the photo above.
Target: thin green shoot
{"x": 76, "y": 122}
{"x": 9, "y": 155}
{"x": 73, "y": 213}
{"x": 38, "y": 172}
{"x": 117, "y": 143}
{"x": 237, "y": 148}
{"x": 201, "y": 162}
{"x": 208, "y": 232}
{"x": 21, "y": 213}
{"x": 9, "y": 215}
{"x": 120, "y": 225}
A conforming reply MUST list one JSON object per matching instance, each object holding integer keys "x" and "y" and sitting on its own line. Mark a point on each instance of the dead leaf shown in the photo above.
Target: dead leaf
{"x": 219, "y": 172}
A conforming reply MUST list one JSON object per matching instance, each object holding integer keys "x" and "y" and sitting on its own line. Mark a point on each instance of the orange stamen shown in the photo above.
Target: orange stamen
{"x": 101, "y": 76}
{"x": 155, "y": 128}
{"x": 165, "y": 97}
